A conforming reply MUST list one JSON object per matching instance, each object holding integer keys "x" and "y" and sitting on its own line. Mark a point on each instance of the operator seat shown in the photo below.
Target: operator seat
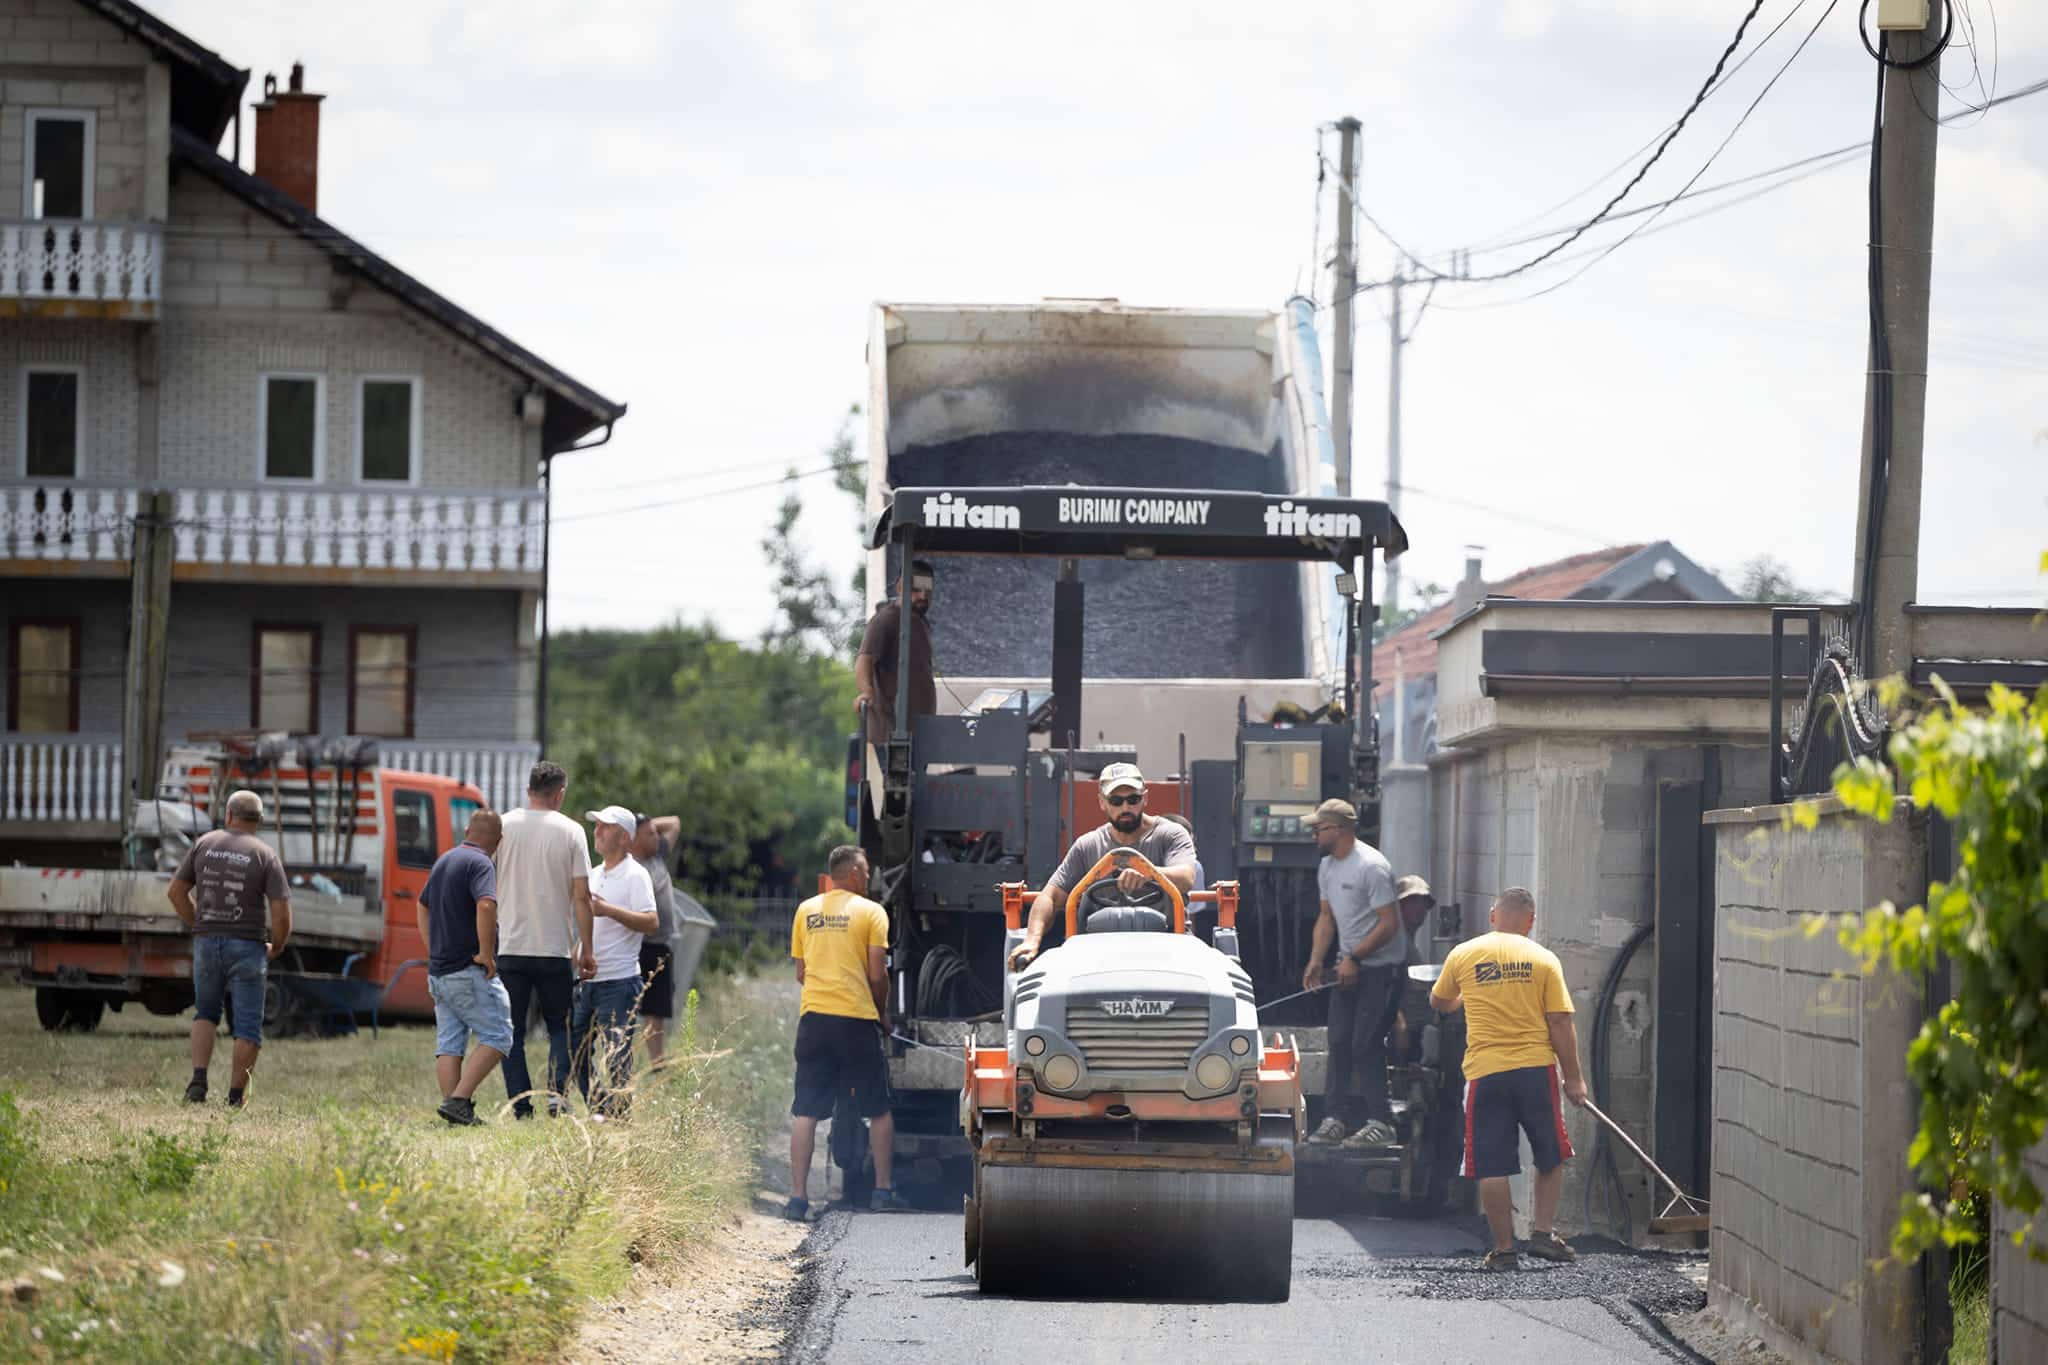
{"x": 1128, "y": 919}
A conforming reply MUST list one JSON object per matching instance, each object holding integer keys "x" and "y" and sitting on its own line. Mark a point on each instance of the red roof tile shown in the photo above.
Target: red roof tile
{"x": 1545, "y": 582}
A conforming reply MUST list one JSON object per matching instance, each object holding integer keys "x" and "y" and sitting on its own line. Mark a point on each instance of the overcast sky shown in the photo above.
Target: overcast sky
{"x": 692, "y": 206}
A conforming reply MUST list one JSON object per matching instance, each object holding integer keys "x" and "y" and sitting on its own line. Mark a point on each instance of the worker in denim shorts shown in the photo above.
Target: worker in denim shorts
{"x": 458, "y": 917}
{"x": 222, "y": 890}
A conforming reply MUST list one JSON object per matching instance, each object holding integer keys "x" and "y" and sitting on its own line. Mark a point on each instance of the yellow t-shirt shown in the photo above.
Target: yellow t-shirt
{"x": 1508, "y": 982}
{"x": 831, "y": 936}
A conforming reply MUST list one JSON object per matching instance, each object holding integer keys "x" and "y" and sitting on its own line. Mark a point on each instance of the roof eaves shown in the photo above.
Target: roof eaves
{"x": 262, "y": 195}
{"x": 198, "y": 60}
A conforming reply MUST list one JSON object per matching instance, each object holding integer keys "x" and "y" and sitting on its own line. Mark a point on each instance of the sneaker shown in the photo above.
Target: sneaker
{"x": 797, "y": 1210}
{"x": 195, "y": 1093}
{"x": 1503, "y": 1260}
{"x": 883, "y": 1200}
{"x": 1329, "y": 1132}
{"x": 1376, "y": 1133}
{"x": 1550, "y": 1247}
{"x": 460, "y": 1112}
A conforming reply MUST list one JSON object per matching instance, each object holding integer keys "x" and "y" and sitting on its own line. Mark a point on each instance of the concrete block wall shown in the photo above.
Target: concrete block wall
{"x": 243, "y": 297}
{"x": 102, "y": 609}
{"x": 1812, "y": 1111}
{"x": 2019, "y": 1284}
{"x": 55, "y": 54}
{"x": 470, "y": 685}
{"x": 107, "y": 352}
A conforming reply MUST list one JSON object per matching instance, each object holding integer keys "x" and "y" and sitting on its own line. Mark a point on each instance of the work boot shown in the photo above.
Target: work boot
{"x": 1503, "y": 1260}
{"x": 1376, "y": 1133}
{"x": 1549, "y": 1246}
{"x": 797, "y": 1210}
{"x": 195, "y": 1093}
{"x": 460, "y": 1112}
{"x": 884, "y": 1199}
{"x": 1329, "y": 1132}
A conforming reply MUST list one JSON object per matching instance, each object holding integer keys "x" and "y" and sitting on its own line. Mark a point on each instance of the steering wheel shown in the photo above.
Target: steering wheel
{"x": 1098, "y": 889}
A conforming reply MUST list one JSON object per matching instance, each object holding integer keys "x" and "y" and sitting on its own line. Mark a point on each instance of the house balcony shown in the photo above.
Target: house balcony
{"x": 63, "y": 268}
{"x": 270, "y": 534}
{"x": 69, "y": 786}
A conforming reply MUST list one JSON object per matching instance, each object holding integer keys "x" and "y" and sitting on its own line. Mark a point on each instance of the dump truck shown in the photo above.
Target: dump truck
{"x": 357, "y": 840}
{"x": 1136, "y": 1135}
{"x": 1139, "y": 557}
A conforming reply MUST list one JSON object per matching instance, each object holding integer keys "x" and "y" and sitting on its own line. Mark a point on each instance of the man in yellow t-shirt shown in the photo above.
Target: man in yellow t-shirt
{"x": 840, "y": 941}
{"x": 1518, "y": 1037}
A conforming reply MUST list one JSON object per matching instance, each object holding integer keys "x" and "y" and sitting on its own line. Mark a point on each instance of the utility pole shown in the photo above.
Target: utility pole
{"x": 149, "y": 619}
{"x": 1395, "y": 341}
{"x": 1904, "y": 249}
{"x": 1346, "y": 292}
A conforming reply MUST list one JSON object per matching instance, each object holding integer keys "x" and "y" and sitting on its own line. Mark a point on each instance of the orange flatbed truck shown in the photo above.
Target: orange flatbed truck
{"x": 357, "y": 842}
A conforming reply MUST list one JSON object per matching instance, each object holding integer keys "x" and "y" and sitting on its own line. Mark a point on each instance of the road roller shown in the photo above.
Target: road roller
{"x": 1135, "y": 1137}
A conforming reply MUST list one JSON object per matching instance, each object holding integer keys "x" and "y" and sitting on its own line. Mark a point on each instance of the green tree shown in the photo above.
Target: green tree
{"x": 811, "y": 612}
{"x": 1981, "y": 1063}
{"x": 1423, "y": 598}
{"x": 1766, "y": 579}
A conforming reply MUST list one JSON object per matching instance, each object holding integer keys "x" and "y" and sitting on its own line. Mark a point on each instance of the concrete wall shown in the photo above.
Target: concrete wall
{"x": 2019, "y": 1285}
{"x": 242, "y": 297}
{"x": 107, "y": 353}
{"x": 55, "y": 54}
{"x": 472, "y": 682}
{"x": 1812, "y": 1109}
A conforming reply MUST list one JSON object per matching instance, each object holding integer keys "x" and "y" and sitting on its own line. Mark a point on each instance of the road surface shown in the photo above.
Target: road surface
{"x": 891, "y": 1288}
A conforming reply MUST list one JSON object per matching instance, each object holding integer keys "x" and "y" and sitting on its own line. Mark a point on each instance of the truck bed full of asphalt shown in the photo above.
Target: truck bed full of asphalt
{"x": 992, "y": 616}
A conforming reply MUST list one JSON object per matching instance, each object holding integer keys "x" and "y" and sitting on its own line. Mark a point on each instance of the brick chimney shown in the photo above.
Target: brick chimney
{"x": 288, "y": 138}
{"x": 1471, "y": 589}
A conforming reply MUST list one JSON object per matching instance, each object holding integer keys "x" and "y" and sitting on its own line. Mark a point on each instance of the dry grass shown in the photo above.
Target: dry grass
{"x": 337, "y": 1218}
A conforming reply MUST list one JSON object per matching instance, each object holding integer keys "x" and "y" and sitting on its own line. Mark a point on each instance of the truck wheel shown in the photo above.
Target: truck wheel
{"x": 52, "y": 1007}
{"x": 86, "y": 1012}
{"x": 850, "y": 1153}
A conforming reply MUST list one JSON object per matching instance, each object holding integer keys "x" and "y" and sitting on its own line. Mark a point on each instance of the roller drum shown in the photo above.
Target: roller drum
{"x": 1104, "y": 1232}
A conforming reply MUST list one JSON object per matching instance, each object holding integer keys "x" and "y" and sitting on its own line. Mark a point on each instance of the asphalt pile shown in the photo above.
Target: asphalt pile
{"x": 1653, "y": 1281}
{"x": 992, "y": 616}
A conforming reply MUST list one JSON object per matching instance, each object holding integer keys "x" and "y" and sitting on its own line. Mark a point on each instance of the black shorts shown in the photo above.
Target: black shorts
{"x": 658, "y": 970}
{"x": 837, "y": 1055}
{"x": 1497, "y": 1105}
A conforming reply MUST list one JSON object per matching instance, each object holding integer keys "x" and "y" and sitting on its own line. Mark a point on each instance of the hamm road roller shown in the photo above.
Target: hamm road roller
{"x": 1136, "y": 1136}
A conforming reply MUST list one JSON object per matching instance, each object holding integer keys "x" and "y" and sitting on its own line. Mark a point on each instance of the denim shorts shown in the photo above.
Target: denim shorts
{"x": 467, "y": 1002}
{"x": 231, "y": 970}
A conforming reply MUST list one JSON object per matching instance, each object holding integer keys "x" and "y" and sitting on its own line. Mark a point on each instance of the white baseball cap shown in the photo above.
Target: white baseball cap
{"x": 614, "y": 815}
{"x": 1122, "y": 775}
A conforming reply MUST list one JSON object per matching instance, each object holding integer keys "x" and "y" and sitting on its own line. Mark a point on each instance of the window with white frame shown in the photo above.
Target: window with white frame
{"x": 388, "y": 430}
{"x": 58, "y": 161}
{"x": 52, "y": 421}
{"x": 289, "y": 410}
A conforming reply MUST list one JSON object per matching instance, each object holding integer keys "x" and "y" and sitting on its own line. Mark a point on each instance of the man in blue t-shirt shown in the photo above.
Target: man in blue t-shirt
{"x": 458, "y": 917}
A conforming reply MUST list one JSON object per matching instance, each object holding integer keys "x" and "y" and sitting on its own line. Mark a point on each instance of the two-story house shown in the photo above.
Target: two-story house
{"x": 356, "y": 467}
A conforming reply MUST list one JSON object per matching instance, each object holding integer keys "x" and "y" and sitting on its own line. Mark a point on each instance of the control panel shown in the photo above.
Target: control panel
{"x": 1278, "y": 822}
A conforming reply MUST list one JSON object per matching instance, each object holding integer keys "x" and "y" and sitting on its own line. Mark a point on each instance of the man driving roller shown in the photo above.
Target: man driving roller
{"x": 1164, "y": 844}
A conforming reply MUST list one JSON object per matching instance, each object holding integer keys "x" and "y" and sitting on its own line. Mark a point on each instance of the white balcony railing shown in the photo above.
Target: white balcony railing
{"x": 256, "y": 526}
{"x": 498, "y": 770}
{"x": 60, "y": 779}
{"x": 81, "y": 262}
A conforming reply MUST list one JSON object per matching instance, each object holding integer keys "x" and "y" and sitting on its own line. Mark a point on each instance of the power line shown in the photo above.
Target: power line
{"x": 1583, "y": 228}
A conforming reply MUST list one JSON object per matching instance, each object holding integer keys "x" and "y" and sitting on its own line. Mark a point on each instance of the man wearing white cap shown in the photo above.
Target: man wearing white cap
{"x": 623, "y": 913}
{"x": 1166, "y": 845}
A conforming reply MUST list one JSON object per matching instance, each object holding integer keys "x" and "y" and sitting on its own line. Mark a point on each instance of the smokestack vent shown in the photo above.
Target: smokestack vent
{"x": 288, "y": 138}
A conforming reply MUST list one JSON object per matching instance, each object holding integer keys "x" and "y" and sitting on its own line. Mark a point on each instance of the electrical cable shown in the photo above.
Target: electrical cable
{"x": 1925, "y": 59}
{"x": 1583, "y": 228}
{"x": 1603, "y": 1149}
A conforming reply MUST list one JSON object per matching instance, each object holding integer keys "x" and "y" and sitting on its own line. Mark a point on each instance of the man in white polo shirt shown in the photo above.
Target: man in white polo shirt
{"x": 622, "y": 909}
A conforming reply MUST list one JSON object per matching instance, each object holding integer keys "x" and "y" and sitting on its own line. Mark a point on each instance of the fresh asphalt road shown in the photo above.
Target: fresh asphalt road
{"x": 891, "y": 1288}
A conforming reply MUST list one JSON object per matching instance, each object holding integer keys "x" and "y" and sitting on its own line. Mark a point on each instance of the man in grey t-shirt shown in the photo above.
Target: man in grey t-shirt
{"x": 1361, "y": 917}
{"x": 1166, "y": 845}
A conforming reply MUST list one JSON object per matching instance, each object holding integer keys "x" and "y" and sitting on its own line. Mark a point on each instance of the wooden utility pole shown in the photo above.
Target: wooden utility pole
{"x": 149, "y": 621}
{"x": 1904, "y": 249}
{"x": 1341, "y": 300}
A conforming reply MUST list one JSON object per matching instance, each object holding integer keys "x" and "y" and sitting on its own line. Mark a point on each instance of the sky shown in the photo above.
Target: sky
{"x": 692, "y": 208}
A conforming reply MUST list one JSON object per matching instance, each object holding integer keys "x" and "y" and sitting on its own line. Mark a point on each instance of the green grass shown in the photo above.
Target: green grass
{"x": 336, "y": 1218}
{"x": 1969, "y": 1291}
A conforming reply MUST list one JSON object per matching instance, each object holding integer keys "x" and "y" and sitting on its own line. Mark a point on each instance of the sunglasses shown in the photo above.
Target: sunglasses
{"x": 1136, "y": 799}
